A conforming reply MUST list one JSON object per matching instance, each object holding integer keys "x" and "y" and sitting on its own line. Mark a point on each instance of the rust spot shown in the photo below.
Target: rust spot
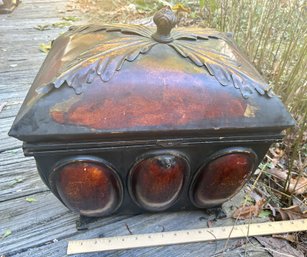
{"x": 58, "y": 116}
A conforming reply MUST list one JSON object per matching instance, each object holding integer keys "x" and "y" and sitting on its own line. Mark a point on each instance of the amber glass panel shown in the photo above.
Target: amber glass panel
{"x": 221, "y": 178}
{"x": 91, "y": 188}
{"x": 156, "y": 182}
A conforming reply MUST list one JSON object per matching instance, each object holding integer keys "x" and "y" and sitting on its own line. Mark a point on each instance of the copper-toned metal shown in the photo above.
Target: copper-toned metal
{"x": 120, "y": 92}
{"x": 7, "y": 6}
{"x": 129, "y": 82}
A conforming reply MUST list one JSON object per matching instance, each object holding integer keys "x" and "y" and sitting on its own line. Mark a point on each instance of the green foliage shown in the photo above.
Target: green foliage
{"x": 273, "y": 34}
{"x": 70, "y": 18}
{"x": 264, "y": 213}
{"x": 201, "y": 3}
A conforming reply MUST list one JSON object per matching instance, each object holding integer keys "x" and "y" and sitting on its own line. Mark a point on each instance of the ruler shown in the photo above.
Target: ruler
{"x": 184, "y": 236}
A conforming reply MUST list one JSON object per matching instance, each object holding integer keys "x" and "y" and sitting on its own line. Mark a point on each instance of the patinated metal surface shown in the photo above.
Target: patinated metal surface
{"x": 7, "y": 6}
{"x": 127, "y": 119}
{"x": 135, "y": 79}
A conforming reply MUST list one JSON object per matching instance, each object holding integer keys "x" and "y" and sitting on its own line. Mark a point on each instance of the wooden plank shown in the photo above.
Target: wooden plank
{"x": 20, "y": 179}
{"x": 145, "y": 223}
{"x": 45, "y": 220}
{"x": 11, "y": 107}
{"x": 6, "y": 142}
{"x": 32, "y": 223}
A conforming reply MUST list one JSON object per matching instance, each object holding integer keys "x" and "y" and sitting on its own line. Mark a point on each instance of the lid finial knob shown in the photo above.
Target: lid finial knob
{"x": 165, "y": 20}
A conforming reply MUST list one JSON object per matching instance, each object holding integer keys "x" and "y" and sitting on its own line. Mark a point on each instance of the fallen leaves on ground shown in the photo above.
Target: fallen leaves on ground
{"x": 292, "y": 213}
{"x": 291, "y": 237}
{"x": 278, "y": 247}
{"x": 249, "y": 211}
{"x": 296, "y": 185}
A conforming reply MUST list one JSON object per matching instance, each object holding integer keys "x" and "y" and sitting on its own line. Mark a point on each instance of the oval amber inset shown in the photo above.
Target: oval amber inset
{"x": 156, "y": 182}
{"x": 221, "y": 178}
{"x": 91, "y": 188}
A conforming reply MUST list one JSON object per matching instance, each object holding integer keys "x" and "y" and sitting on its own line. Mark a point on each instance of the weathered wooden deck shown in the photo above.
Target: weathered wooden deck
{"x": 43, "y": 227}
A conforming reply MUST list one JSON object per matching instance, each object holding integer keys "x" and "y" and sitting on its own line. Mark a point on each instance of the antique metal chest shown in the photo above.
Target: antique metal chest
{"x": 128, "y": 118}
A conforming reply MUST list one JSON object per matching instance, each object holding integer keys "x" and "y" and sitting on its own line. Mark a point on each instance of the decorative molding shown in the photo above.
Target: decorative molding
{"x": 107, "y": 57}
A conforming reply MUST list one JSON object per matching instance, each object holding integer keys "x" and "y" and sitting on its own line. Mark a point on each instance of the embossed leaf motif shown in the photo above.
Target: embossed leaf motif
{"x": 107, "y": 57}
{"x": 225, "y": 70}
{"x": 103, "y": 61}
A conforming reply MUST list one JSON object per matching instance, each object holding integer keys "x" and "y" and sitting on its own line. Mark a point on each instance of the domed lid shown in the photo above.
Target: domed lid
{"x": 131, "y": 80}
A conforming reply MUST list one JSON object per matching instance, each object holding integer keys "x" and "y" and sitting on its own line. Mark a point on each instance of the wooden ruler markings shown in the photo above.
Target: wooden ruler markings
{"x": 184, "y": 236}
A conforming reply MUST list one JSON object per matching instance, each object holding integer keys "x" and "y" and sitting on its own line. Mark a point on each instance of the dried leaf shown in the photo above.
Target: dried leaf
{"x": 210, "y": 224}
{"x": 296, "y": 186}
{"x": 291, "y": 237}
{"x": 247, "y": 212}
{"x": 273, "y": 210}
{"x": 6, "y": 233}
{"x": 181, "y": 8}
{"x": 292, "y": 213}
{"x": 42, "y": 27}
{"x": 45, "y": 47}
{"x": 16, "y": 181}
{"x": 301, "y": 203}
{"x": 277, "y": 152}
{"x": 2, "y": 105}
{"x": 278, "y": 247}
{"x": 31, "y": 199}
